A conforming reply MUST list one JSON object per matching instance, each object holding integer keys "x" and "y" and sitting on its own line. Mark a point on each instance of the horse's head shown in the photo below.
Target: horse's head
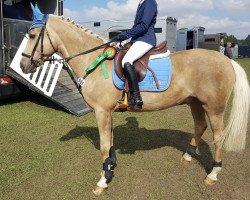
{"x": 40, "y": 44}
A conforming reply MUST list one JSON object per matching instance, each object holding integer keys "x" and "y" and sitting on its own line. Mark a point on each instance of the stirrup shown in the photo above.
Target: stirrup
{"x": 123, "y": 103}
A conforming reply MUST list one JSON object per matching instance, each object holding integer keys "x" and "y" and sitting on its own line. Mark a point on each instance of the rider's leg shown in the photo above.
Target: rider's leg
{"x": 136, "y": 51}
{"x": 135, "y": 99}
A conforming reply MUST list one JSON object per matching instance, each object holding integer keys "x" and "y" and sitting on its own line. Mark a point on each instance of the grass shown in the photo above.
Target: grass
{"x": 245, "y": 62}
{"x": 47, "y": 153}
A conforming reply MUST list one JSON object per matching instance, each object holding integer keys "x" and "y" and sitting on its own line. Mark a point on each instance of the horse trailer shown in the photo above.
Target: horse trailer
{"x": 189, "y": 38}
{"x": 212, "y": 41}
{"x": 216, "y": 42}
{"x": 165, "y": 29}
{"x": 12, "y": 80}
{"x": 12, "y": 33}
{"x": 195, "y": 38}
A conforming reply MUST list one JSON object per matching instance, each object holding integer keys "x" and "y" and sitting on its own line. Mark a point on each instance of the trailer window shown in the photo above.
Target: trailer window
{"x": 158, "y": 30}
{"x": 113, "y": 34}
{"x": 96, "y": 24}
{"x": 209, "y": 39}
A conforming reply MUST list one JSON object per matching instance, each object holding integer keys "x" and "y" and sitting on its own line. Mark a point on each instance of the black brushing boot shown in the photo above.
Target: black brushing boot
{"x": 135, "y": 100}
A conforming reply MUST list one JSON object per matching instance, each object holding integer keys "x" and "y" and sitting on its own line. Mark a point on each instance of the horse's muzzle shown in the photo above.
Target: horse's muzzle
{"x": 27, "y": 66}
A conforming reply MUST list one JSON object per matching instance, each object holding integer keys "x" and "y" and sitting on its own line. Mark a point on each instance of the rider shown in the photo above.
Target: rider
{"x": 143, "y": 39}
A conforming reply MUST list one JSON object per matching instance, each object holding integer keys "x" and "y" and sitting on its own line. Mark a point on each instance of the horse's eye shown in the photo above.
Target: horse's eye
{"x": 32, "y": 36}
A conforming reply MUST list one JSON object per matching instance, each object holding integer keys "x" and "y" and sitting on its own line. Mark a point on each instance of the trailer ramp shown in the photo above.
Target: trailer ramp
{"x": 51, "y": 80}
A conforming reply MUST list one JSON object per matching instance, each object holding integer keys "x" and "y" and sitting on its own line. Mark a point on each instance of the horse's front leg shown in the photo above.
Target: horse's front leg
{"x": 104, "y": 121}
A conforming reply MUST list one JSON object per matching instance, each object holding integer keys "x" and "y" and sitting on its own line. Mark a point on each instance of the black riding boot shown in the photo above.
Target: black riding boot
{"x": 135, "y": 100}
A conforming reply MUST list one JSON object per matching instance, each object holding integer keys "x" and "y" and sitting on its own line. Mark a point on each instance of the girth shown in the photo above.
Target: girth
{"x": 141, "y": 65}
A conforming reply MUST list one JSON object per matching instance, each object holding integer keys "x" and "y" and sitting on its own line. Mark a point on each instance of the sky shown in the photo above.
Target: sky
{"x": 217, "y": 16}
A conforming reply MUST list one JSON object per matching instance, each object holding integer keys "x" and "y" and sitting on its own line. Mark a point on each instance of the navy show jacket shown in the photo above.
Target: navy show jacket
{"x": 144, "y": 24}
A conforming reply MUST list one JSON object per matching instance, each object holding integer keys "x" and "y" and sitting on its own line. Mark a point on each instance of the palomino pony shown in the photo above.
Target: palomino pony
{"x": 203, "y": 79}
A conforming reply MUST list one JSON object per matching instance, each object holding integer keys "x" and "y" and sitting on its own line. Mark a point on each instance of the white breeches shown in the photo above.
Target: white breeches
{"x": 136, "y": 51}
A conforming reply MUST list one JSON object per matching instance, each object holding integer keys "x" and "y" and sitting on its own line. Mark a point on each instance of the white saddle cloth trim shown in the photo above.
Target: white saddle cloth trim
{"x": 162, "y": 55}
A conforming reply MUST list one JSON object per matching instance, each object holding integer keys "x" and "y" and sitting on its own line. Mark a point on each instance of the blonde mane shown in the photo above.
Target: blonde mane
{"x": 80, "y": 27}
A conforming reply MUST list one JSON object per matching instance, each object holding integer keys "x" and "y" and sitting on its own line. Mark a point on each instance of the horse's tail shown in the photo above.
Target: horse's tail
{"x": 234, "y": 135}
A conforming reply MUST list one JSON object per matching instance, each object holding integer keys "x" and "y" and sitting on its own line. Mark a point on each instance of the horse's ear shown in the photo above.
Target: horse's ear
{"x": 35, "y": 9}
{"x": 38, "y": 10}
{"x": 38, "y": 17}
{"x": 32, "y": 7}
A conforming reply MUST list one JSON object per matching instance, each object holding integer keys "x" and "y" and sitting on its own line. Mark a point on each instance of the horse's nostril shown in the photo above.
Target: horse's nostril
{"x": 23, "y": 63}
{"x": 21, "y": 66}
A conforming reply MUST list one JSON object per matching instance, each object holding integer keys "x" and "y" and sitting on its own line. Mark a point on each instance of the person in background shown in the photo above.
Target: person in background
{"x": 228, "y": 50}
{"x": 20, "y": 10}
{"x": 222, "y": 48}
{"x": 143, "y": 39}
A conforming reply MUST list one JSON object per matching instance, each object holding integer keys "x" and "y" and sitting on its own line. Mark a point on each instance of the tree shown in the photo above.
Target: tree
{"x": 233, "y": 39}
{"x": 230, "y": 38}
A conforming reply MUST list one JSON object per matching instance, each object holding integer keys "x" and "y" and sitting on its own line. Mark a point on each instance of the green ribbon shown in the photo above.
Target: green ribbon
{"x": 96, "y": 63}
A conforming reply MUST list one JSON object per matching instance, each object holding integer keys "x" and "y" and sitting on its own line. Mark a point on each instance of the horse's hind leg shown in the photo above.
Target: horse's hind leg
{"x": 104, "y": 121}
{"x": 217, "y": 125}
{"x": 200, "y": 126}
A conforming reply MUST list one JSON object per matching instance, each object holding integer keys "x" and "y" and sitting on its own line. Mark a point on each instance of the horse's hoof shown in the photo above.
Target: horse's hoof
{"x": 99, "y": 190}
{"x": 209, "y": 181}
{"x": 185, "y": 162}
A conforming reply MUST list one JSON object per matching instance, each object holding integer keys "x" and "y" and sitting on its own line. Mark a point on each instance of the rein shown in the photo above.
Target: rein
{"x": 88, "y": 51}
{"x": 41, "y": 37}
{"x": 80, "y": 54}
{"x": 91, "y": 68}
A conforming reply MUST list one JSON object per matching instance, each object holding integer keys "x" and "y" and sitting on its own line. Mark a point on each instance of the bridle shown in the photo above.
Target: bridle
{"x": 41, "y": 37}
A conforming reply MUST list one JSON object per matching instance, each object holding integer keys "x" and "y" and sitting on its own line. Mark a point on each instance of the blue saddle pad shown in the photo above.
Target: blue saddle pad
{"x": 163, "y": 71}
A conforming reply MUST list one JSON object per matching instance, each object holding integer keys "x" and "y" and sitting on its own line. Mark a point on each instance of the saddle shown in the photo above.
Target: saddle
{"x": 141, "y": 65}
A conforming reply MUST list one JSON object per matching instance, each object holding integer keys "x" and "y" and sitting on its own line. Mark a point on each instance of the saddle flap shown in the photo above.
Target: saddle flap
{"x": 118, "y": 63}
{"x": 161, "y": 48}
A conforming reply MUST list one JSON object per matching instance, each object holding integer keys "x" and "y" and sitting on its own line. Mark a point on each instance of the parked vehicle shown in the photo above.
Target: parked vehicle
{"x": 165, "y": 29}
{"x": 13, "y": 27}
{"x": 244, "y": 51}
{"x": 190, "y": 38}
